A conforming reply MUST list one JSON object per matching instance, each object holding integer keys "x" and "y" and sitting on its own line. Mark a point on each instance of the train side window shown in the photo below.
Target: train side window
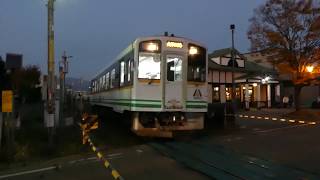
{"x": 113, "y": 78}
{"x": 122, "y": 72}
{"x": 107, "y": 80}
{"x": 103, "y": 82}
{"x": 129, "y": 70}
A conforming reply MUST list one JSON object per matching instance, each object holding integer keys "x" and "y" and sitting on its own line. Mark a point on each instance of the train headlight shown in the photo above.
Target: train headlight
{"x": 152, "y": 47}
{"x": 193, "y": 50}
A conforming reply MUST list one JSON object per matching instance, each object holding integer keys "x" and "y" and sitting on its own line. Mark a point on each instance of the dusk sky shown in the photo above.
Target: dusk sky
{"x": 95, "y": 31}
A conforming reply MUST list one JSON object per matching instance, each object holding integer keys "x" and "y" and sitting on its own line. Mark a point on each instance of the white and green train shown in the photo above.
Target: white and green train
{"x": 160, "y": 81}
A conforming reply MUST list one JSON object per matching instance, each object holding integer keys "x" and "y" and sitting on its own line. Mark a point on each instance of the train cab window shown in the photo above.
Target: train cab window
{"x": 107, "y": 80}
{"x": 113, "y": 78}
{"x": 149, "y": 66}
{"x": 196, "y": 63}
{"x": 122, "y": 72}
{"x": 174, "y": 68}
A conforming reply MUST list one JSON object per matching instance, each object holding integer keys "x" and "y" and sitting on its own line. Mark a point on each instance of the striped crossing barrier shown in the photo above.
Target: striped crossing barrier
{"x": 88, "y": 123}
{"x": 115, "y": 174}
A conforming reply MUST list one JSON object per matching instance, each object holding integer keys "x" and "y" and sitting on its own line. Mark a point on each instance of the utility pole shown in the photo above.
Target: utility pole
{"x": 63, "y": 69}
{"x": 232, "y": 27}
{"x": 51, "y": 73}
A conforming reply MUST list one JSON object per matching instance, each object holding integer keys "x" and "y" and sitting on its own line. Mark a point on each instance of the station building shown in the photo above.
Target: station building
{"x": 308, "y": 93}
{"x": 256, "y": 86}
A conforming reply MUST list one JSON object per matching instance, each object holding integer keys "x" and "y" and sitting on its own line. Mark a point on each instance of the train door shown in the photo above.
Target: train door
{"x": 173, "y": 90}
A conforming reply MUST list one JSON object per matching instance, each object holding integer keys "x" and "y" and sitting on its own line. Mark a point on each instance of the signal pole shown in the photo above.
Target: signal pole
{"x": 63, "y": 69}
{"x": 51, "y": 73}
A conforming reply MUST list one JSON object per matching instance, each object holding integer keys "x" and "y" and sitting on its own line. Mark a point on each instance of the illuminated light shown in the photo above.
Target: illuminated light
{"x": 173, "y": 44}
{"x": 152, "y": 47}
{"x": 193, "y": 50}
{"x": 246, "y": 116}
{"x": 312, "y": 123}
{"x": 292, "y": 121}
{"x": 266, "y": 118}
{"x": 240, "y": 115}
{"x": 274, "y": 119}
{"x": 252, "y": 116}
{"x": 259, "y": 117}
{"x": 267, "y": 78}
{"x": 255, "y": 84}
{"x": 301, "y": 122}
{"x": 243, "y": 87}
{"x": 216, "y": 88}
{"x": 310, "y": 69}
{"x": 283, "y": 120}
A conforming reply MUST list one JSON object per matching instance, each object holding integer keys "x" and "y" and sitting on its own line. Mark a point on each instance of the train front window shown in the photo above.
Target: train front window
{"x": 149, "y": 66}
{"x": 174, "y": 68}
{"x": 196, "y": 63}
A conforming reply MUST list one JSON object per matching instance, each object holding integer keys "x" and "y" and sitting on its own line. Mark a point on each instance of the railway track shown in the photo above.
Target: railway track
{"x": 218, "y": 163}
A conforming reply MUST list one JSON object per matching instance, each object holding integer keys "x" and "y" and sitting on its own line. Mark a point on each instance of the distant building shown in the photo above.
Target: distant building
{"x": 14, "y": 61}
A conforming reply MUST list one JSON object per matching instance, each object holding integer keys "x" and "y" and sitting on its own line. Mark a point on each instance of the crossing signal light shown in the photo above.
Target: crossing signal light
{"x": 88, "y": 123}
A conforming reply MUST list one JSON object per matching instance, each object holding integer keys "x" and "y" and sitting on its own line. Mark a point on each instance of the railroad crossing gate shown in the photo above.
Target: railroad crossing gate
{"x": 7, "y": 101}
{"x": 88, "y": 123}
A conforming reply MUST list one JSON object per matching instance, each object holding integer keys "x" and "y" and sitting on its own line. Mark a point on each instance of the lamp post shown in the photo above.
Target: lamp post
{"x": 51, "y": 73}
{"x": 232, "y": 28}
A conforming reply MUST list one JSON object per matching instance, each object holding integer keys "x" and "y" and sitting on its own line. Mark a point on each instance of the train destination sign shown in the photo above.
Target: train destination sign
{"x": 174, "y": 44}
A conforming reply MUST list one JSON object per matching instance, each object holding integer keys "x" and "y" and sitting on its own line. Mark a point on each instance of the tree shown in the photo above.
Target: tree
{"x": 284, "y": 29}
{"x": 25, "y": 81}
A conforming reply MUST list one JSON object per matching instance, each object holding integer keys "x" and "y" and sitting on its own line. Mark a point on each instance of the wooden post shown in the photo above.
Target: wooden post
{"x": 1, "y": 122}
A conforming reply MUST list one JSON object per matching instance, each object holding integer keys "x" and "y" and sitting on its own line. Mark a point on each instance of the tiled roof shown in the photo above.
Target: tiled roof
{"x": 249, "y": 67}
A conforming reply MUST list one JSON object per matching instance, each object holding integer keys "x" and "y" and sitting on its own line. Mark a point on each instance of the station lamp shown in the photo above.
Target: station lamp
{"x": 310, "y": 68}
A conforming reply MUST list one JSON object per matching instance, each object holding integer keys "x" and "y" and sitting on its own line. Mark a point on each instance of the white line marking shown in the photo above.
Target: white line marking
{"x": 115, "y": 154}
{"x": 277, "y": 129}
{"x": 28, "y": 172}
{"x": 92, "y": 158}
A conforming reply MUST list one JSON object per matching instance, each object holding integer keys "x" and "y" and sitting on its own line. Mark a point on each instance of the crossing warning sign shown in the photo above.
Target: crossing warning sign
{"x": 7, "y": 98}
